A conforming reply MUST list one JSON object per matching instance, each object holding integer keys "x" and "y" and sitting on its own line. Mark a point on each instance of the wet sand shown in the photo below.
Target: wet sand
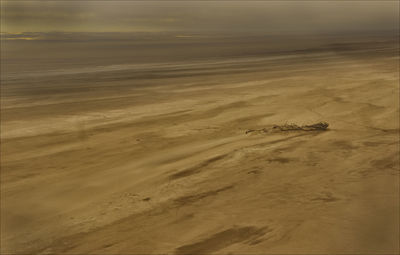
{"x": 154, "y": 158}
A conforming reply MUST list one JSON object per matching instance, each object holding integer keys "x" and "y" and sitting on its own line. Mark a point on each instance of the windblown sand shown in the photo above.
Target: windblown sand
{"x": 154, "y": 158}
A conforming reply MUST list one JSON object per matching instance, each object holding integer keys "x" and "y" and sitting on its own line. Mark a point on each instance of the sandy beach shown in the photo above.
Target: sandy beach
{"x": 154, "y": 158}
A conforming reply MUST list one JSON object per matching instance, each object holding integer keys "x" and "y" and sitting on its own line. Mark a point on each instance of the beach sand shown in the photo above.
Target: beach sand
{"x": 154, "y": 158}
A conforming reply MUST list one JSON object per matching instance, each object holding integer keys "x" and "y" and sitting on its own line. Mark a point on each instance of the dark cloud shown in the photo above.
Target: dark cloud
{"x": 263, "y": 17}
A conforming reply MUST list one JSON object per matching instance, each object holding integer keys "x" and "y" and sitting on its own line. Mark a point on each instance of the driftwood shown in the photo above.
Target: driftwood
{"x": 321, "y": 126}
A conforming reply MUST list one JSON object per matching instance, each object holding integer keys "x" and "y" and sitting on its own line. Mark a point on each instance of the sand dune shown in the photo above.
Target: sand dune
{"x": 157, "y": 160}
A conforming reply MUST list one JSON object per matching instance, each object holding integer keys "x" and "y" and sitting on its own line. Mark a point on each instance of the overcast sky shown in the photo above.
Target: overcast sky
{"x": 263, "y": 17}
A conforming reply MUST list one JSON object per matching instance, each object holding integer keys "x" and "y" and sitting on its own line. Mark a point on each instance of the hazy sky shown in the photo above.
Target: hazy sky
{"x": 200, "y": 17}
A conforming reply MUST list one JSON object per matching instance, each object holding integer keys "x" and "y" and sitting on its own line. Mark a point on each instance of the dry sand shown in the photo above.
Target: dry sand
{"x": 154, "y": 158}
